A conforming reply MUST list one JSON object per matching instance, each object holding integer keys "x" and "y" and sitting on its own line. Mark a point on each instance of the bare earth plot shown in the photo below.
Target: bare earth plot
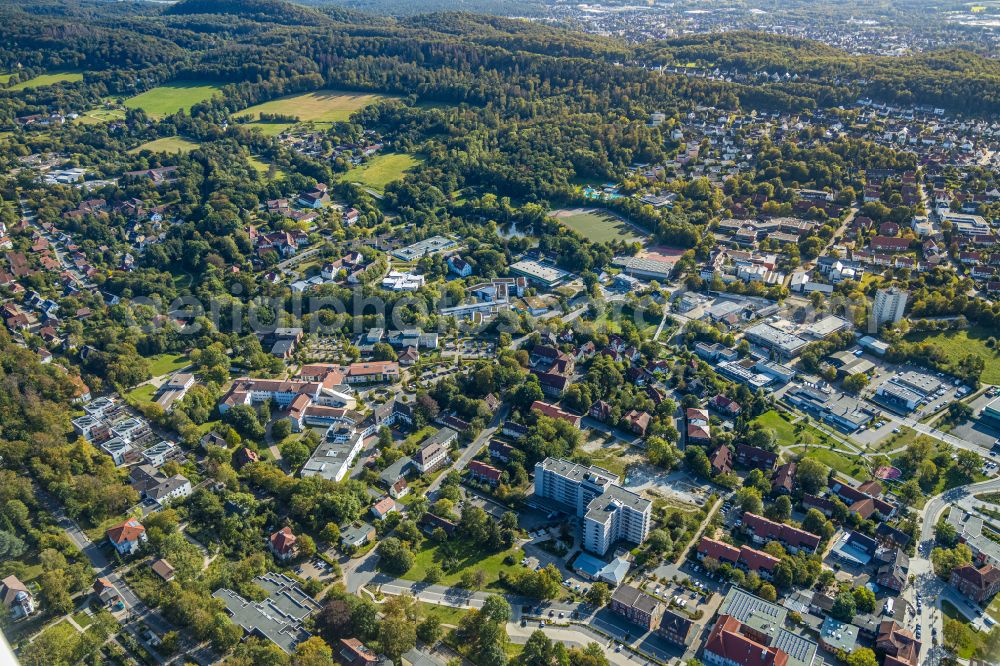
{"x": 598, "y": 225}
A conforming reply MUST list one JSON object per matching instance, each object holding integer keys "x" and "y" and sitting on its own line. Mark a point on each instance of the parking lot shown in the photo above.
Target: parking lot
{"x": 315, "y": 569}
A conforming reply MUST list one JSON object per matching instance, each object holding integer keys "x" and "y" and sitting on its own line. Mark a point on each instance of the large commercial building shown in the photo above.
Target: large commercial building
{"x": 888, "y": 308}
{"x": 771, "y": 337}
{"x": 609, "y": 512}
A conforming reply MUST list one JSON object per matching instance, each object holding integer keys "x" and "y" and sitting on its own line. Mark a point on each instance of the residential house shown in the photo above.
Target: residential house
{"x": 16, "y": 598}
{"x": 169, "y": 489}
{"x": 283, "y": 544}
{"x": 698, "y": 427}
{"x": 483, "y": 473}
{"x": 637, "y": 422}
{"x": 727, "y": 645}
{"x": 357, "y": 535}
{"x": 898, "y": 645}
{"x": 893, "y": 574}
{"x": 383, "y": 508}
{"x": 980, "y": 584}
{"x": 762, "y": 530}
{"x": 744, "y": 558}
{"x": 756, "y": 458}
{"x": 637, "y": 607}
{"x": 163, "y": 569}
{"x": 721, "y": 460}
{"x": 783, "y": 479}
{"x": 127, "y": 536}
{"x": 352, "y": 652}
{"x": 434, "y": 451}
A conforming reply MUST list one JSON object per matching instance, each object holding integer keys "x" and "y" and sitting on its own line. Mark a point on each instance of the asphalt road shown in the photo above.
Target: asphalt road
{"x": 933, "y": 590}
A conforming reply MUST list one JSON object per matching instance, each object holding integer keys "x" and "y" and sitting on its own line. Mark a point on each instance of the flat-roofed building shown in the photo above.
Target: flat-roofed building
{"x": 609, "y": 512}
{"x": 539, "y": 273}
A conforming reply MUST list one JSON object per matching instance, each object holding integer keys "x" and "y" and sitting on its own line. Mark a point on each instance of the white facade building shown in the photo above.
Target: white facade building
{"x": 888, "y": 308}
{"x": 609, "y": 512}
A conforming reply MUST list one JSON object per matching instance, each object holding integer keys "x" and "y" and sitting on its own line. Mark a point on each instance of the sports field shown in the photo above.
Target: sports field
{"x": 597, "y": 225}
{"x": 47, "y": 80}
{"x": 170, "y": 144}
{"x": 165, "y": 100}
{"x": 382, "y": 170}
{"x": 958, "y": 344}
{"x": 320, "y": 106}
{"x": 98, "y": 116}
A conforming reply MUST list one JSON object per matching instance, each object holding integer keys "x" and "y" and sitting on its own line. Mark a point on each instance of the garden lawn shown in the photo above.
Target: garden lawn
{"x": 446, "y": 614}
{"x": 320, "y": 106}
{"x": 47, "y": 80}
{"x": 162, "y": 364}
{"x": 967, "y": 650}
{"x": 597, "y": 225}
{"x": 170, "y": 144}
{"x": 382, "y": 170}
{"x": 838, "y": 461}
{"x": 143, "y": 393}
{"x": 83, "y": 618}
{"x": 958, "y": 344}
{"x": 169, "y": 99}
{"x": 784, "y": 431}
{"x": 469, "y": 558}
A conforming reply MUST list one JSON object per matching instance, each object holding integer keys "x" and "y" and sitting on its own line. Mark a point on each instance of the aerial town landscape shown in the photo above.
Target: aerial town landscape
{"x": 499, "y": 332}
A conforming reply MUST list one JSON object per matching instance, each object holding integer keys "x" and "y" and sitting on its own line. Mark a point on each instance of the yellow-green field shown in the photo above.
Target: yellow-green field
{"x": 47, "y": 80}
{"x": 4, "y": 78}
{"x": 597, "y": 225}
{"x": 382, "y": 170}
{"x": 170, "y": 144}
{"x": 266, "y": 169}
{"x": 958, "y": 344}
{"x": 100, "y": 115}
{"x": 269, "y": 129}
{"x": 320, "y": 106}
{"x": 169, "y": 99}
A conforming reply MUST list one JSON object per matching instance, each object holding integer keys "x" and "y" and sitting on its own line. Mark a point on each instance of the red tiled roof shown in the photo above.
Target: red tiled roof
{"x": 982, "y": 578}
{"x": 283, "y": 540}
{"x": 768, "y": 529}
{"x": 482, "y": 469}
{"x": 730, "y": 645}
{"x": 130, "y": 530}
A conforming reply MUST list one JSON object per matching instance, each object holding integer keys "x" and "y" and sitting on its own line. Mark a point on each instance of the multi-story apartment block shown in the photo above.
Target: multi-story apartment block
{"x": 609, "y": 512}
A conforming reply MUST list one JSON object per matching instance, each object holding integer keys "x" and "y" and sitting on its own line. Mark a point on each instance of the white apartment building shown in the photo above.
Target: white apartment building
{"x": 888, "y": 308}
{"x": 609, "y": 512}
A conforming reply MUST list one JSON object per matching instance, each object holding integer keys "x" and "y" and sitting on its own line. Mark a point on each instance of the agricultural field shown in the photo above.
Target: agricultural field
{"x": 4, "y": 78}
{"x": 322, "y": 106}
{"x": 47, "y": 80}
{"x": 170, "y": 144}
{"x": 166, "y": 100}
{"x": 269, "y": 129}
{"x": 597, "y": 225}
{"x": 958, "y": 344}
{"x": 382, "y": 170}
